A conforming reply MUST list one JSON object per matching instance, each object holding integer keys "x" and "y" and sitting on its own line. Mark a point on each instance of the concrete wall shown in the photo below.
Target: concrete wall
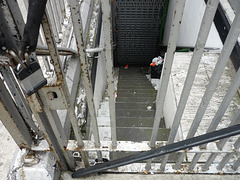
{"x": 192, "y": 17}
{"x": 101, "y": 77}
{"x": 170, "y": 107}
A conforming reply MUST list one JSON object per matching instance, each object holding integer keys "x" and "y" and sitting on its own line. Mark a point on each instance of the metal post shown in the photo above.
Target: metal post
{"x": 45, "y": 127}
{"x": 108, "y": 53}
{"x": 58, "y": 130}
{"x": 61, "y": 81}
{"x": 20, "y": 99}
{"x": 176, "y": 22}
{"x": 12, "y": 119}
{"x": 77, "y": 27}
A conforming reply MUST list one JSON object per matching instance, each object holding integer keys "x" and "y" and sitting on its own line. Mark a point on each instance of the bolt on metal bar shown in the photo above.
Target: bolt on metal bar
{"x": 222, "y": 61}
{"x": 77, "y": 27}
{"x": 176, "y": 22}
{"x": 181, "y": 145}
{"x": 108, "y": 53}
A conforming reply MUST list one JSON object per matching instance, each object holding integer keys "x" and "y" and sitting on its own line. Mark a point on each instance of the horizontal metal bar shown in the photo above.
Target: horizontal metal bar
{"x": 185, "y": 144}
{"x": 126, "y": 146}
{"x": 44, "y": 51}
{"x": 93, "y": 50}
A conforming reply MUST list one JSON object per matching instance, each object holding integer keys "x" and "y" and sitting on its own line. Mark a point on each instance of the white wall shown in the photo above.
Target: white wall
{"x": 101, "y": 77}
{"x": 192, "y": 17}
{"x": 170, "y": 107}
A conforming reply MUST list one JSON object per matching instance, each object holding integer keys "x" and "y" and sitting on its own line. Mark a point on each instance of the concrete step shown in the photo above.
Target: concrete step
{"x": 137, "y": 94}
{"x": 136, "y": 91}
{"x": 136, "y": 99}
{"x": 134, "y": 83}
{"x": 137, "y": 122}
{"x": 139, "y": 105}
{"x": 140, "y": 134}
{"x": 134, "y": 87}
{"x": 138, "y": 113}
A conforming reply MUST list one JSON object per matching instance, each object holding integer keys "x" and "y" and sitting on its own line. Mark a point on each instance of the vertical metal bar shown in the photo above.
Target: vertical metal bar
{"x": 234, "y": 121}
{"x": 85, "y": 31}
{"x": 17, "y": 16}
{"x": 197, "y": 54}
{"x": 62, "y": 5}
{"x": 12, "y": 119}
{"x": 194, "y": 161}
{"x": 20, "y": 100}
{"x": 219, "y": 114}
{"x": 209, "y": 161}
{"x": 51, "y": 17}
{"x": 55, "y": 15}
{"x": 198, "y": 50}
{"x": 176, "y": 22}
{"x": 58, "y": 130}
{"x": 224, "y": 161}
{"x": 236, "y": 164}
{"x": 77, "y": 27}
{"x": 59, "y": 13}
{"x": 223, "y": 142}
{"x": 55, "y": 58}
{"x": 108, "y": 53}
{"x": 237, "y": 144}
{"x": 221, "y": 63}
{"x": 47, "y": 132}
{"x": 179, "y": 160}
{"x": 225, "y": 103}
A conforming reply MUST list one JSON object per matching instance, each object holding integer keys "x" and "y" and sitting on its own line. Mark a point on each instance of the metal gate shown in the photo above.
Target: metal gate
{"x": 55, "y": 126}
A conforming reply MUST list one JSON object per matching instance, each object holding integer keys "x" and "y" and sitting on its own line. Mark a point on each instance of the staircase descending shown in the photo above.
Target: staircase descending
{"x": 135, "y": 106}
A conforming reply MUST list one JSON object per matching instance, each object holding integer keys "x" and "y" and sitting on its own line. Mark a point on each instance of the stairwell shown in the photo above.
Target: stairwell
{"x": 135, "y": 106}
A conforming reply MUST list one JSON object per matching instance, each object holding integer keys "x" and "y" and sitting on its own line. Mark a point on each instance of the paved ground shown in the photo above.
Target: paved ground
{"x": 67, "y": 176}
{"x": 8, "y": 147}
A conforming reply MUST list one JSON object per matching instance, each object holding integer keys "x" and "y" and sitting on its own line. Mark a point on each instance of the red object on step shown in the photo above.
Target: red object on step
{"x": 126, "y": 67}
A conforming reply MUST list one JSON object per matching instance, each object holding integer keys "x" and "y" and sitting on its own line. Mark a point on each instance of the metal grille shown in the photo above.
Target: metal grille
{"x": 137, "y": 25}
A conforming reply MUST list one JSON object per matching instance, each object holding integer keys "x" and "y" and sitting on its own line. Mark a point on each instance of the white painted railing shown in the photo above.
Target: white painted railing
{"x": 53, "y": 105}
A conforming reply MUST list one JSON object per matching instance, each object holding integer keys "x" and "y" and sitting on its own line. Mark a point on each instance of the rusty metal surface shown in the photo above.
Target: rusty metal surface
{"x": 12, "y": 119}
